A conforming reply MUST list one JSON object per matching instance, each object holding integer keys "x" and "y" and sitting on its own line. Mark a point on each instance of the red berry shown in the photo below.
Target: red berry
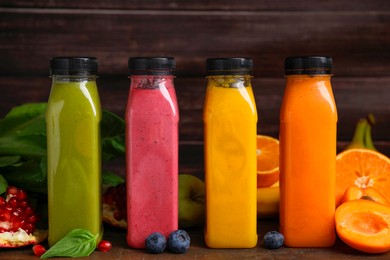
{"x": 104, "y": 246}
{"x": 39, "y": 250}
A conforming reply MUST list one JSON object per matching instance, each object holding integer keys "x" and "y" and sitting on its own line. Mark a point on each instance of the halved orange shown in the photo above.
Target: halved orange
{"x": 267, "y": 161}
{"x": 362, "y": 168}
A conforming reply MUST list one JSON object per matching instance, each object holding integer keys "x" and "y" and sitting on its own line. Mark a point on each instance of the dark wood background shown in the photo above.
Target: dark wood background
{"x": 355, "y": 33}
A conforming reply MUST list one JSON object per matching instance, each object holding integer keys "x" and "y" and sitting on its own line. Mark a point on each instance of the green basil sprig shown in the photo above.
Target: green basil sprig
{"x": 77, "y": 243}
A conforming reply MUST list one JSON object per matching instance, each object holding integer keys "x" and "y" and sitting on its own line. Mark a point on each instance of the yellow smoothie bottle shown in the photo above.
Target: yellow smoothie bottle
{"x": 230, "y": 119}
{"x": 73, "y": 148}
{"x": 308, "y": 121}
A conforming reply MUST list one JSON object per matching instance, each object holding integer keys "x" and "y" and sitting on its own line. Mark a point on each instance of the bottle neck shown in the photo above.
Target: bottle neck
{"x": 67, "y": 78}
{"x": 230, "y": 81}
{"x": 152, "y": 81}
{"x": 308, "y": 78}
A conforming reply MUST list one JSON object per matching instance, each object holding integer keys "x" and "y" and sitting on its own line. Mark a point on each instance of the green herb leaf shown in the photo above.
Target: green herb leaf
{"x": 3, "y": 184}
{"x": 30, "y": 175}
{"x": 23, "y": 131}
{"x": 9, "y": 160}
{"x": 111, "y": 179}
{"x": 113, "y": 136}
{"x": 77, "y": 243}
{"x": 24, "y": 120}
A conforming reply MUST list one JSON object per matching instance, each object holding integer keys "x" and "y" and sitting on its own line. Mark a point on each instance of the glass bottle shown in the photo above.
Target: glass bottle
{"x": 308, "y": 120}
{"x": 73, "y": 148}
{"x": 152, "y": 118}
{"x": 230, "y": 119}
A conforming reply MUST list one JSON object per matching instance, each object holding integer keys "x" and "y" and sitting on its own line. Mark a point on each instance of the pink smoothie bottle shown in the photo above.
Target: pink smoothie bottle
{"x": 152, "y": 118}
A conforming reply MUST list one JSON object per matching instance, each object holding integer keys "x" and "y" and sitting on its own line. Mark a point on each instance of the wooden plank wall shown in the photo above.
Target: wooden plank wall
{"x": 355, "y": 33}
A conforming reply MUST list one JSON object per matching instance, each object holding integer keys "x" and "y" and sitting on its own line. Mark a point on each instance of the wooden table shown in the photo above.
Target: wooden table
{"x": 198, "y": 249}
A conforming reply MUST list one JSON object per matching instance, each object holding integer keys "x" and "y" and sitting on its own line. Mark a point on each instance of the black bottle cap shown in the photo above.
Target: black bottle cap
{"x": 229, "y": 66}
{"x": 310, "y": 65}
{"x": 151, "y": 65}
{"x": 73, "y": 66}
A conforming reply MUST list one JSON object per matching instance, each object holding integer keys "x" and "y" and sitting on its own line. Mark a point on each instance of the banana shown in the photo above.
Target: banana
{"x": 367, "y": 137}
{"x": 362, "y": 138}
{"x": 359, "y": 135}
{"x": 268, "y": 201}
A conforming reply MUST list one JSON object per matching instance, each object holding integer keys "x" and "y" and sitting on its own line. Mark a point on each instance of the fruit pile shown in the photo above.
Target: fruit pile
{"x": 17, "y": 219}
{"x": 267, "y": 177}
{"x": 363, "y": 193}
{"x": 114, "y": 206}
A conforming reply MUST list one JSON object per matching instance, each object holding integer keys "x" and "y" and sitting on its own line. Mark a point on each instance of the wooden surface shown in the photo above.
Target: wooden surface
{"x": 198, "y": 249}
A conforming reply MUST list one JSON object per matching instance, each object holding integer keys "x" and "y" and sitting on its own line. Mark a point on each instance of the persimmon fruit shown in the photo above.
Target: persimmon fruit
{"x": 353, "y": 193}
{"x": 364, "y": 225}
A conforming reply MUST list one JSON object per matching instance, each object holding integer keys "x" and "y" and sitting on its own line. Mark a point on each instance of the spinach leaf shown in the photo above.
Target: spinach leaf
{"x": 9, "y": 160}
{"x": 30, "y": 175}
{"x": 3, "y": 184}
{"x": 77, "y": 243}
{"x": 113, "y": 136}
{"x": 23, "y": 131}
{"x": 111, "y": 179}
{"x": 24, "y": 120}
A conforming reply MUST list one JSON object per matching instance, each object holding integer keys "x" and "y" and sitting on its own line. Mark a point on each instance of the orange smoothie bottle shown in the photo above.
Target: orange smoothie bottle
{"x": 308, "y": 120}
{"x": 230, "y": 119}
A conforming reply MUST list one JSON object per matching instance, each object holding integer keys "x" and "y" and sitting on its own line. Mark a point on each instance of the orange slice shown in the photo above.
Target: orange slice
{"x": 362, "y": 168}
{"x": 267, "y": 161}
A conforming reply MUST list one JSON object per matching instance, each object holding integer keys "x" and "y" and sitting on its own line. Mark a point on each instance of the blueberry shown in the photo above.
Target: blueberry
{"x": 178, "y": 241}
{"x": 155, "y": 243}
{"x": 273, "y": 240}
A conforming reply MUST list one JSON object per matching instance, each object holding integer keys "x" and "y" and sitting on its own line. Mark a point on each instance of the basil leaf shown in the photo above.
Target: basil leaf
{"x": 111, "y": 179}
{"x": 3, "y": 184}
{"x": 77, "y": 243}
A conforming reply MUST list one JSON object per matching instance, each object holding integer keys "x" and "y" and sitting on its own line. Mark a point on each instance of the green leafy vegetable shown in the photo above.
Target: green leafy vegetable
{"x": 23, "y": 146}
{"x": 23, "y": 131}
{"x": 9, "y": 160}
{"x": 111, "y": 179}
{"x": 77, "y": 243}
{"x": 113, "y": 135}
{"x": 3, "y": 185}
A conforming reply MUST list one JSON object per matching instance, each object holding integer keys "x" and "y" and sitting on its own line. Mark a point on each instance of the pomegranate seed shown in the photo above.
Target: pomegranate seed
{"x": 118, "y": 215}
{"x": 21, "y": 195}
{"x": 104, "y": 246}
{"x": 13, "y": 202}
{"x": 23, "y": 204}
{"x": 2, "y": 202}
{"x": 11, "y": 190}
{"x": 32, "y": 219}
{"x": 5, "y": 216}
{"x": 29, "y": 211}
{"x": 38, "y": 250}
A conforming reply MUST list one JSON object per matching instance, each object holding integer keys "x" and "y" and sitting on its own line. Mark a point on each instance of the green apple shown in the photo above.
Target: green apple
{"x": 191, "y": 201}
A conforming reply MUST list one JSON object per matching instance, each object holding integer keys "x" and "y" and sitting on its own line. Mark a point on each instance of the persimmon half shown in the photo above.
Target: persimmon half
{"x": 364, "y": 225}
{"x": 353, "y": 193}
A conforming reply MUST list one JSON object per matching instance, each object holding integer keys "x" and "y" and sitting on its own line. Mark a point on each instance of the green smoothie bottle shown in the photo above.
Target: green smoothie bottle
{"x": 73, "y": 148}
